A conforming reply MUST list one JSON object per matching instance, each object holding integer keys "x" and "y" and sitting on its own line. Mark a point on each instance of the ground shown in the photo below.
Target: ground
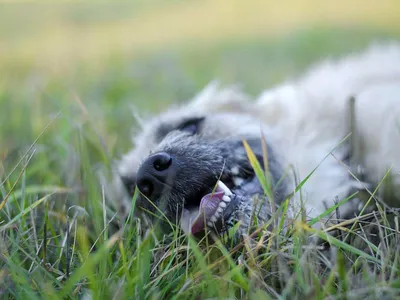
{"x": 72, "y": 75}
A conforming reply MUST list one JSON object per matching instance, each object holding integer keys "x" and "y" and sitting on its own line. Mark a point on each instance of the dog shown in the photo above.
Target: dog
{"x": 318, "y": 138}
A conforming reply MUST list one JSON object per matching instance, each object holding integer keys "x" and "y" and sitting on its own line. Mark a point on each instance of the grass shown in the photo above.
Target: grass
{"x": 63, "y": 121}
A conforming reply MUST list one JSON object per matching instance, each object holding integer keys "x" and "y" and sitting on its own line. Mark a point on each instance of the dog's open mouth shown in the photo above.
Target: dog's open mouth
{"x": 210, "y": 213}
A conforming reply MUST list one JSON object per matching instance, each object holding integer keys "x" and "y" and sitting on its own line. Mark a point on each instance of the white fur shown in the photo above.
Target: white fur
{"x": 309, "y": 117}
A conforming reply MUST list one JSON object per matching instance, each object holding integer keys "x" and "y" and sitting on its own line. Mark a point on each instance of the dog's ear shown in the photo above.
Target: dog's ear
{"x": 214, "y": 98}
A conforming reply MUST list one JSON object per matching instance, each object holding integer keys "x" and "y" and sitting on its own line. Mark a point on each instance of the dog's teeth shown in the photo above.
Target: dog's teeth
{"x": 238, "y": 181}
{"x": 235, "y": 170}
{"x": 226, "y": 199}
{"x": 224, "y": 188}
{"x": 213, "y": 219}
{"x": 222, "y": 204}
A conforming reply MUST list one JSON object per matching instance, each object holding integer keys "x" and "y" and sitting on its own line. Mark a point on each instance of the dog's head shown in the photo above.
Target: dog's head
{"x": 190, "y": 164}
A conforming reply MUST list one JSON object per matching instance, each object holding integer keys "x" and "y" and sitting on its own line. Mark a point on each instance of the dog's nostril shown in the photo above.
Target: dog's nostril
{"x": 145, "y": 187}
{"x": 162, "y": 162}
{"x": 154, "y": 174}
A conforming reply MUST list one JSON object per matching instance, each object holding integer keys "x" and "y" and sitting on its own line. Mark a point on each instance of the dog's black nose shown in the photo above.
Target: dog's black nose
{"x": 161, "y": 161}
{"x": 154, "y": 174}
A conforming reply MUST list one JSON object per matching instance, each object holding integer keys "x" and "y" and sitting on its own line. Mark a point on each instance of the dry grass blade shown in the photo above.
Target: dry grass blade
{"x": 3, "y": 203}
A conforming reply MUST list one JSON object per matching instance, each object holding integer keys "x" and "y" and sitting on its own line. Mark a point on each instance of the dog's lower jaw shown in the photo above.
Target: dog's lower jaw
{"x": 213, "y": 210}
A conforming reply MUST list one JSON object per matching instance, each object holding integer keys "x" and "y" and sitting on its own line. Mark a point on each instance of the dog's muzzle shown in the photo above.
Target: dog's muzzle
{"x": 156, "y": 176}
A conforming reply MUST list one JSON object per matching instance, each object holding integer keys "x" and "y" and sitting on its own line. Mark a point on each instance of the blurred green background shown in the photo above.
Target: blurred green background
{"x": 73, "y": 73}
{"x": 96, "y": 63}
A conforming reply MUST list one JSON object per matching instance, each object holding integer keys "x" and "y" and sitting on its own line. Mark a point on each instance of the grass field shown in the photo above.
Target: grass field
{"x": 72, "y": 73}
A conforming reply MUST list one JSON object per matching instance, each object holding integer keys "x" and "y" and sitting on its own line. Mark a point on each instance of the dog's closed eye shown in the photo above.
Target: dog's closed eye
{"x": 191, "y": 126}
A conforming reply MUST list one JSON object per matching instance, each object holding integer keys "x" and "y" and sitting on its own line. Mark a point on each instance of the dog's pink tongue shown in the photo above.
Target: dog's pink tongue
{"x": 208, "y": 206}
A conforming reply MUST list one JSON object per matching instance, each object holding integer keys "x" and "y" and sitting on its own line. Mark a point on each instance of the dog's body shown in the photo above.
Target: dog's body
{"x": 199, "y": 146}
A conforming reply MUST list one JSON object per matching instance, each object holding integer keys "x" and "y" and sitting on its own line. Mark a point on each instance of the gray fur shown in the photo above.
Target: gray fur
{"x": 303, "y": 123}
{"x": 212, "y": 153}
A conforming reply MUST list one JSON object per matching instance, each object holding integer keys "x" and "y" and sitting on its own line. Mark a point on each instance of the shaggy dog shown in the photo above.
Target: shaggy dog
{"x": 335, "y": 130}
